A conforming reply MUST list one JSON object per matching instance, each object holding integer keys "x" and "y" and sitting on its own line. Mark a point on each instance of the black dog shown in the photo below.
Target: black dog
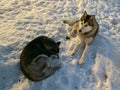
{"x": 34, "y": 60}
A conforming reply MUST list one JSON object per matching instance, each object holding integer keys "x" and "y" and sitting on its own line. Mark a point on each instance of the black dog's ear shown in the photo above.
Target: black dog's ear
{"x": 58, "y": 43}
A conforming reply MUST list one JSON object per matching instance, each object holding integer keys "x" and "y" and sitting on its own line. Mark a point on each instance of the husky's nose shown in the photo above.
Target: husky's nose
{"x": 80, "y": 30}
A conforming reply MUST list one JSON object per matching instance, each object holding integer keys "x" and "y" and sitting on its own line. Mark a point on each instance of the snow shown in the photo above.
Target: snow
{"x": 23, "y": 20}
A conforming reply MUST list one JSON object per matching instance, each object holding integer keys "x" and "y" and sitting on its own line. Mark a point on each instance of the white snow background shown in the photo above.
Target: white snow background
{"x": 23, "y": 20}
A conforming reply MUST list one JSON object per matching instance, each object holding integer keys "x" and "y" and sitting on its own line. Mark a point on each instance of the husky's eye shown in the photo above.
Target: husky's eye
{"x": 81, "y": 23}
{"x": 86, "y": 25}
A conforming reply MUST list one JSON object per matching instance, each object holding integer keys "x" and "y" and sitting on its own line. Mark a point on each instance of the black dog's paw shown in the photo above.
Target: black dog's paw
{"x": 57, "y": 67}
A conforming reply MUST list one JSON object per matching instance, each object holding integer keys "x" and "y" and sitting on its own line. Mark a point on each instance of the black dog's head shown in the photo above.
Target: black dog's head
{"x": 52, "y": 47}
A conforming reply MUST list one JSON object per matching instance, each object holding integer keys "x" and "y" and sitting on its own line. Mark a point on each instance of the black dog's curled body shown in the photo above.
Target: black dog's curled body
{"x": 34, "y": 59}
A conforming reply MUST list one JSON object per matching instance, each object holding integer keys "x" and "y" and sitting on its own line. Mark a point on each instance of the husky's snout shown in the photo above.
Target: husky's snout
{"x": 80, "y": 30}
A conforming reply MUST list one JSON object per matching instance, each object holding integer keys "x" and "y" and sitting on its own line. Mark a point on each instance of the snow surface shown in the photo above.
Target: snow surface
{"x": 23, "y": 20}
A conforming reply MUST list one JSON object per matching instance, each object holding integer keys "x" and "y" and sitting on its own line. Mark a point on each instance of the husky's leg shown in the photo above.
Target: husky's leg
{"x": 72, "y": 34}
{"x": 87, "y": 43}
{"x": 74, "y": 49}
{"x": 80, "y": 45}
{"x": 83, "y": 54}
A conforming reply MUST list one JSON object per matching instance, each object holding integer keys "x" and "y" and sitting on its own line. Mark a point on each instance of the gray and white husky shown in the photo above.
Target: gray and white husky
{"x": 85, "y": 30}
{"x": 34, "y": 59}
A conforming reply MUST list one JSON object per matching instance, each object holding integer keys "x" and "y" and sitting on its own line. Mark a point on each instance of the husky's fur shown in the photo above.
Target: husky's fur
{"x": 85, "y": 30}
{"x": 34, "y": 60}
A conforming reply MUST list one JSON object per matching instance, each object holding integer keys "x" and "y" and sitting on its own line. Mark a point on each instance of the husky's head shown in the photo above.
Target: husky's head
{"x": 82, "y": 26}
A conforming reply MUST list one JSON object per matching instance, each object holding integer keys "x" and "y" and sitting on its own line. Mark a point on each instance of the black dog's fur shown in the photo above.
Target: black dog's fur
{"x": 41, "y": 45}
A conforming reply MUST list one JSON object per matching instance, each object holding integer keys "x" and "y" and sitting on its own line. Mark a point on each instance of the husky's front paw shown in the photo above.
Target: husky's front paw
{"x": 81, "y": 60}
{"x": 72, "y": 53}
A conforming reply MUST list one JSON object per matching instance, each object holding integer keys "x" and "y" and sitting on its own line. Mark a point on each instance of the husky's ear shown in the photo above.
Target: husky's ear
{"x": 84, "y": 16}
{"x": 92, "y": 19}
{"x": 58, "y": 43}
{"x": 69, "y": 22}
